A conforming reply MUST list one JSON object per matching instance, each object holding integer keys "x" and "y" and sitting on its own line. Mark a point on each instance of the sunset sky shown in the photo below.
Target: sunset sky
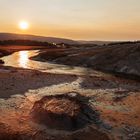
{"x": 75, "y": 19}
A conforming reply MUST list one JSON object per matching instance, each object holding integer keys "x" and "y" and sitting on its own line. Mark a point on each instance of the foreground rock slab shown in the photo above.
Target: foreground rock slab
{"x": 69, "y": 112}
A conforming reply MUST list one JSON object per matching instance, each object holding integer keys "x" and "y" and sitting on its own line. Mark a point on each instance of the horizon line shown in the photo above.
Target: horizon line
{"x": 100, "y": 40}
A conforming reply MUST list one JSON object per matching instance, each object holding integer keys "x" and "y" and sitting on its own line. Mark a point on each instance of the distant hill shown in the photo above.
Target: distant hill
{"x": 95, "y": 42}
{"x": 11, "y": 36}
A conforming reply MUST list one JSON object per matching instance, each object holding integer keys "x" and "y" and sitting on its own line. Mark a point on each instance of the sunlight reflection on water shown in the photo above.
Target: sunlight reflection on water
{"x": 23, "y": 59}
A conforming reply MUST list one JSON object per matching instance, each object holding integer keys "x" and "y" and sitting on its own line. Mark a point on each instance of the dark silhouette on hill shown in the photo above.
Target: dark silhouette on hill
{"x": 26, "y": 43}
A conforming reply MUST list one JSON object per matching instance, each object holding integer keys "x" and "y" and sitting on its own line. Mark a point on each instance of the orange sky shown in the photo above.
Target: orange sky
{"x": 76, "y": 19}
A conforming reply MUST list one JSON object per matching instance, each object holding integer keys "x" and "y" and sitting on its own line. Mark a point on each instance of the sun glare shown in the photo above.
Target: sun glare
{"x": 23, "y": 25}
{"x": 23, "y": 59}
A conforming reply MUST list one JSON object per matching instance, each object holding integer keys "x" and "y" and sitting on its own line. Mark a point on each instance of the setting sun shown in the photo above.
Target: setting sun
{"x": 23, "y": 25}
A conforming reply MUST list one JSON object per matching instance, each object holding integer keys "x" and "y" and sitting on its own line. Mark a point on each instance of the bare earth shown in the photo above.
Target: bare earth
{"x": 115, "y": 99}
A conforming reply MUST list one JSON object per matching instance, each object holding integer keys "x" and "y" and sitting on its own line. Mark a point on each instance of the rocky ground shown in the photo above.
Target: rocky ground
{"x": 115, "y": 101}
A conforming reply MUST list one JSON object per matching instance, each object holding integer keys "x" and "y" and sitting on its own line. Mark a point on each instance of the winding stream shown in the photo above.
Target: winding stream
{"x": 21, "y": 60}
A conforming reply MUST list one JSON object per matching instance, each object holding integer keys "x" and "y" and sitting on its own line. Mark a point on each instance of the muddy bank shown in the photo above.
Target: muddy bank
{"x": 4, "y": 53}
{"x": 119, "y": 59}
{"x": 1, "y": 62}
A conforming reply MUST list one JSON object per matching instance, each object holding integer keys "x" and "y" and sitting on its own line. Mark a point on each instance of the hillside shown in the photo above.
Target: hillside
{"x": 94, "y": 42}
{"x": 11, "y": 36}
{"x": 123, "y": 58}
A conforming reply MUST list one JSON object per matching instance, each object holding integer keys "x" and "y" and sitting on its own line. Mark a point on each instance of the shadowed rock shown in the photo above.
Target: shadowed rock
{"x": 70, "y": 112}
{"x": 64, "y": 112}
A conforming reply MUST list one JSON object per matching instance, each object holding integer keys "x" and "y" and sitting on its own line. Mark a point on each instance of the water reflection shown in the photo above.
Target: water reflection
{"x": 23, "y": 59}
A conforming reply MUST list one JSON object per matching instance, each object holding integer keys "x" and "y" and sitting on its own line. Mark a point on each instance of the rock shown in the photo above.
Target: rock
{"x": 65, "y": 112}
{"x": 69, "y": 112}
{"x": 1, "y": 61}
